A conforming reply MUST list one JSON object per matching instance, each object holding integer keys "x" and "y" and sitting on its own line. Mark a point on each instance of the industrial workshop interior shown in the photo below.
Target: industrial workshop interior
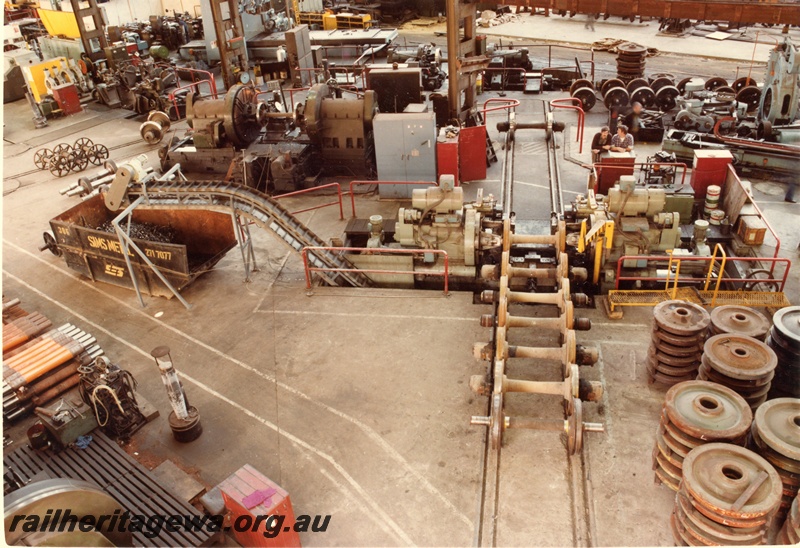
{"x": 401, "y": 273}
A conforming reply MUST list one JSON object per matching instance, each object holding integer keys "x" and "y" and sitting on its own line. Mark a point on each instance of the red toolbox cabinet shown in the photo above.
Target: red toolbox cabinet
{"x": 244, "y": 482}
{"x": 66, "y": 95}
{"x": 447, "y": 157}
{"x": 710, "y": 167}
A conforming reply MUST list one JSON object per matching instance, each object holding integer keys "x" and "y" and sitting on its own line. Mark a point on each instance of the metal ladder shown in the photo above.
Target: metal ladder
{"x": 255, "y": 206}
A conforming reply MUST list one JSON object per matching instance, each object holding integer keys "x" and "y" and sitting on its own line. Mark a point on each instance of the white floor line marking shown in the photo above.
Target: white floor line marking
{"x": 544, "y": 187}
{"x": 291, "y": 437}
{"x": 369, "y": 432}
{"x": 392, "y": 316}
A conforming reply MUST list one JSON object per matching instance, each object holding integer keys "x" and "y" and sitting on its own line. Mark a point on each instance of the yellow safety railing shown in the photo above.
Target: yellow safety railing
{"x": 717, "y": 247}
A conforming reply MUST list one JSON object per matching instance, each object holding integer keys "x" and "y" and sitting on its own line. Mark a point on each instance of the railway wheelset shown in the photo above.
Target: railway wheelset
{"x": 659, "y": 91}
{"x": 65, "y": 158}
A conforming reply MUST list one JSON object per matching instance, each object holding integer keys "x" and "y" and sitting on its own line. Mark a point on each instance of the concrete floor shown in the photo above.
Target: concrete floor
{"x": 357, "y": 401}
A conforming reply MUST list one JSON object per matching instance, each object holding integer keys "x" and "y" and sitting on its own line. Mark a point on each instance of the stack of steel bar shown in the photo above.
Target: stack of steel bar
{"x": 775, "y": 435}
{"x": 739, "y": 320}
{"x": 679, "y": 329}
{"x": 784, "y": 339}
{"x": 12, "y": 310}
{"x": 790, "y": 532}
{"x": 495, "y": 383}
{"x": 39, "y": 370}
{"x": 742, "y": 363}
{"x": 695, "y": 413}
{"x": 22, "y": 329}
{"x": 728, "y": 496}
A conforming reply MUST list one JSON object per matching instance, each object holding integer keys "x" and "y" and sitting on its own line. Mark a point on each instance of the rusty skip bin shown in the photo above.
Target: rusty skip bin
{"x": 199, "y": 240}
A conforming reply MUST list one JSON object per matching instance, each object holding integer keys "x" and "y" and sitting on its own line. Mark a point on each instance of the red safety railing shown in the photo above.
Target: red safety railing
{"x": 314, "y": 189}
{"x": 576, "y": 105}
{"x": 206, "y": 76}
{"x": 194, "y": 86}
{"x": 732, "y": 172}
{"x": 666, "y": 258}
{"x": 379, "y": 183}
{"x": 508, "y": 104}
{"x": 603, "y": 166}
{"x": 377, "y": 251}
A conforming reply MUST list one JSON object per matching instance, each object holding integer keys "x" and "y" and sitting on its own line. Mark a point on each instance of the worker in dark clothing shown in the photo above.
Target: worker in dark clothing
{"x": 790, "y": 193}
{"x": 634, "y": 119}
{"x": 600, "y": 142}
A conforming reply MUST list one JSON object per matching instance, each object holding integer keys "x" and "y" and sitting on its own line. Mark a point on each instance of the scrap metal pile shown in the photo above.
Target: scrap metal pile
{"x": 731, "y": 455}
{"x": 495, "y": 383}
{"x": 143, "y": 231}
{"x": 39, "y": 363}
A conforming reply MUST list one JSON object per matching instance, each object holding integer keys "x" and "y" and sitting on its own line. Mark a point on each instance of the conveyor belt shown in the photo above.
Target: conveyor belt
{"x": 255, "y": 206}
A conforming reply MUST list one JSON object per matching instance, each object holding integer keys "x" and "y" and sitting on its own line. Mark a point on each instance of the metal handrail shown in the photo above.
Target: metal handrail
{"x": 628, "y": 166}
{"x": 711, "y": 271}
{"x": 732, "y": 171}
{"x": 196, "y": 87}
{"x": 509, "y": 104}
{"x": 208, "y": 76}
{"x": 773, "y": 260}
{"x": 576, "y": 106}
{"x": 309, "y": 269}
{"x": 313, "y": 189}
{"x": 379, "y": 183}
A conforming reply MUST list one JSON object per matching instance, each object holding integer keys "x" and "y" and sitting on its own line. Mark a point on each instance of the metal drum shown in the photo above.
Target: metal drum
{"x": 775, "y": 435}
{"x": 739, "y": 320}
{"x": 784, "y": 339}
{"x": 742, "y": 363}
{"x": 727, "y": 497}
{"x": 679, "y": 329}
{"x": 695, "y": 413}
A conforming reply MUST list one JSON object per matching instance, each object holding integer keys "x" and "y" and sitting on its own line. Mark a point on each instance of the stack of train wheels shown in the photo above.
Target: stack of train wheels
{"x": 679, "y": 329}
{"x": 775, "y": 435}
{"x": 64, "y": 158}
{"x": 789, "y": 535}
{"x": 744, "y": 364}
{"x": 727, "y": 497}
{"x": 739, "y": 320}
{"x": 695, "y": 413}
{"x": 630, "y": 61}
{"x": 784, "y": 339}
